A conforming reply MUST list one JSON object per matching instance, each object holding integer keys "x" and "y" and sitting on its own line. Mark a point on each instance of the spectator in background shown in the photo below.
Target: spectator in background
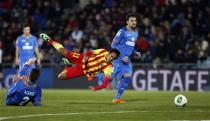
{"x": 77, "y": 35}
{"x": 26, "y": 47}
{"x": 181, "y": 22}
{"x": 1, "y": 52}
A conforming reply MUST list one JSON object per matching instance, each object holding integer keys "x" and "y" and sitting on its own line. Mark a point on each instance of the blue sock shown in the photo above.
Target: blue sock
{"x": 123, "y": 86}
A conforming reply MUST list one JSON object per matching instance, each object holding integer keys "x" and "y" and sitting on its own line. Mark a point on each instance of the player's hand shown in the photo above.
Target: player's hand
{"x": 90, "y": 78}
{"x": 137, "y": 55}
{"x": 15, "y": 78}
{"x": 31, "y": 61}
{"x": 125, "y": 59}
{"x": 39, "y": 61}
{"x": 92, "y": 88}
{"x": 85, "y": 58}
{"x": 16, "y": 61}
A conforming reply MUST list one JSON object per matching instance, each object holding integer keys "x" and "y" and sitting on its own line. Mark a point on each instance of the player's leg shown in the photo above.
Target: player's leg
{"x": 71, "y": 72}
{"x": 115, "y": 73}
{"x": 59, "y": 47}
{"x": 100, "y": 78}
{"x": 125, "y": 78}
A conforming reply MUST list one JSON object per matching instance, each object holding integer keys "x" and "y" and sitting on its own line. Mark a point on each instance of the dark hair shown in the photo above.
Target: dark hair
{"x": 113, "y": 50}
{"x": 34, "y": 75}
{"x": 130, "y": 15}
{"x": 26, "y": 25}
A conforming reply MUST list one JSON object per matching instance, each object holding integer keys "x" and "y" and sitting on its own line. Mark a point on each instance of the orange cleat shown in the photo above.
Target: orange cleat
{"x": 116, "y": 101}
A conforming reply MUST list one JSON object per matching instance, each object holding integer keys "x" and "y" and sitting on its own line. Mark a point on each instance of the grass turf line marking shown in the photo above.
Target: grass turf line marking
{"x": 90, "y": 113}
{"x": 60, "y": 114}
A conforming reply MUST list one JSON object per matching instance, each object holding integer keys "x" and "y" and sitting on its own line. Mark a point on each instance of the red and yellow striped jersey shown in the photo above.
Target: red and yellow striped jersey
{"x": 96, "y": 62}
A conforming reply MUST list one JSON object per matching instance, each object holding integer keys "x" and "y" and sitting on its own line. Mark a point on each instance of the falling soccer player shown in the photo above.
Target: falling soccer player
{"x": 88, "y": 64}
{"x": 24, "y": 88}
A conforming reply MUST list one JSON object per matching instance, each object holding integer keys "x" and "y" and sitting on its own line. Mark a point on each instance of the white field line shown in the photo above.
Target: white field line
{"x": 93, "y": 113}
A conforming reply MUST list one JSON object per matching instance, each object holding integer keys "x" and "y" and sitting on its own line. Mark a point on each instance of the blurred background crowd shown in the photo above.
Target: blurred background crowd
{"x": 170, "y": 31}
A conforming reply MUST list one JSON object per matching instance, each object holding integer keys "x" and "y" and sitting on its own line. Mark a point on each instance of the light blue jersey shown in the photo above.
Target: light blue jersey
{"x": 26, "y": 47}
{"x": 124, "y": 41}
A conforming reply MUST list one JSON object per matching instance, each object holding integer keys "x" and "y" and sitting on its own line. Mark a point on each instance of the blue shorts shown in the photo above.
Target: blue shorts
{"x": 119, "y": 69}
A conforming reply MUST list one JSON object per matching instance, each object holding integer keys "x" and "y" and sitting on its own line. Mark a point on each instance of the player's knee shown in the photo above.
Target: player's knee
{"x": 62, "y": 51}
{"x": 61, "y": 76}
{"x": 127, "y": 75}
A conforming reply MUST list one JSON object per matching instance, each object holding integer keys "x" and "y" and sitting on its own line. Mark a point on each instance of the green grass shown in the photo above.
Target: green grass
{"x": 146, "y": 105}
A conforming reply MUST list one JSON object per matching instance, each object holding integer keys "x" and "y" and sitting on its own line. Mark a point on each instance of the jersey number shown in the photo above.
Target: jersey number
{"x": 76, "y": 55}
{"x": 24, "y": 100}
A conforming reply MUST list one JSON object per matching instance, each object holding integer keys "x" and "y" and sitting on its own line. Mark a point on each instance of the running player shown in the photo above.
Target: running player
{"x": 124, "y": 41}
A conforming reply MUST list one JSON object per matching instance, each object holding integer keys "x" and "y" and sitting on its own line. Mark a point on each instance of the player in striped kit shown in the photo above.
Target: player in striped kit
{"x": 89, "y": 63}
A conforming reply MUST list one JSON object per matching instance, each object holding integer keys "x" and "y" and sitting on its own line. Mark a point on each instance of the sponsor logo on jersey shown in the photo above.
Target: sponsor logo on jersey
{"x": 29, "y": 93}
{"x": 130, "y": 43}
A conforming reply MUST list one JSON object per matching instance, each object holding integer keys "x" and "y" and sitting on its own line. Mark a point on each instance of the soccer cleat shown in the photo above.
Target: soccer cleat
{"x": 116, "y": 101}
{"x": 44, "y": 36}
{"x": 67, "y": 62}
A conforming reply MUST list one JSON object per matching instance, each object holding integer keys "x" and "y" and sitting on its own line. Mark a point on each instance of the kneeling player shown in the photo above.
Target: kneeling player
{"x": 25, "y": 89}
{"x": 89, "y": 63}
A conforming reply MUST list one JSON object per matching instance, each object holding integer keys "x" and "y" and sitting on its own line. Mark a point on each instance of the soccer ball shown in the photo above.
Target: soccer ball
{"x": 180, "y": 100}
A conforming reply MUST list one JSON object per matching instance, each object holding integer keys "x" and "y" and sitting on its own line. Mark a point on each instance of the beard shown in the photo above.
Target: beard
{"x": 133, "y": 27}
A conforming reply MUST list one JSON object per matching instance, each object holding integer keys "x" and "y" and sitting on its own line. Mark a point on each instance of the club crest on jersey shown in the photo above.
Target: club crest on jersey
{"x": 132, "y": 39}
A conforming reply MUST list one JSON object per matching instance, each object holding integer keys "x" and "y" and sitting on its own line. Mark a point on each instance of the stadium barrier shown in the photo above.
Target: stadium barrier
{"x": 144, "y": 78}
{"x": 46, "y": 77}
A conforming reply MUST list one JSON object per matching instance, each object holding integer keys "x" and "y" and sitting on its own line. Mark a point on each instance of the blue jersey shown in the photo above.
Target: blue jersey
{"x": 124, "y": 41}
{"x": 26, "y": 47}
{"x": 20, "y": 94}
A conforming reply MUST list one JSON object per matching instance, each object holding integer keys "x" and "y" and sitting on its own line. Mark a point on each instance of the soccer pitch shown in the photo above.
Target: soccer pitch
{"x": 85, "y": 105}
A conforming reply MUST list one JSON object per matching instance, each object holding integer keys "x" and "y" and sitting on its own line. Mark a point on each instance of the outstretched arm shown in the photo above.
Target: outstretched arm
{"x": 103, "y": 85}
{"x": 24, "y": 72}
{"x": 37, "y": 56}
{"x": 117, "y": 39}
{"x": 136, "y": 54}
{"x": 107, "y": 75}
{"x": 12, "y": 90}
